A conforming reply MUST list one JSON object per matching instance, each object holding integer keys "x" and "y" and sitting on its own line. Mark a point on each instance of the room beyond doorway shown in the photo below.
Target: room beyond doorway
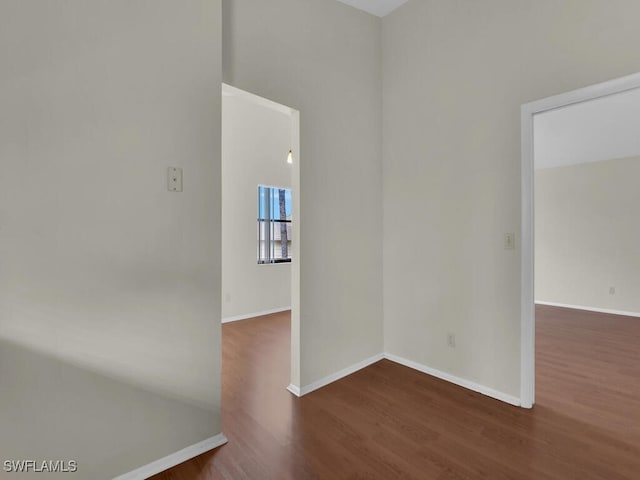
{"x": 260, "y": 211}
{"x": 528, "y": 114}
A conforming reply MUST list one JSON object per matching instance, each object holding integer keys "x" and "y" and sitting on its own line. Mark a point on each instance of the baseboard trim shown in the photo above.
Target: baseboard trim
{"x": 174, "y": 459}
{"x": 461, "y": 382}
{"x": 302, "y": 391}
{"x": 295, "y": 390}
{"x": 590, "y": 309}
{"x": 255, "y": 314}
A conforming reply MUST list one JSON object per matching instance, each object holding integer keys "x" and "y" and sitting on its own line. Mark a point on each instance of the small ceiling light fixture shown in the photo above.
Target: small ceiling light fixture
{"x": 290, "y": 157}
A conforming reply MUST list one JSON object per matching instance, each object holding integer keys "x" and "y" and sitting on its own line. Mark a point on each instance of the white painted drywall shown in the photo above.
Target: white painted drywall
{"x": 588, "y": 235}
{"x": 255, "y": 142}
{"x": 592, "y": 131}
{"x": 104, "y": 273}
{"x": 323, "y": 59}
{"x": 455, "y": 75}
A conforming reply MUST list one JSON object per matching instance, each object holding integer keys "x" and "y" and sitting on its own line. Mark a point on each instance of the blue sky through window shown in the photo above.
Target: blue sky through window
{"x": 275, "y": 202}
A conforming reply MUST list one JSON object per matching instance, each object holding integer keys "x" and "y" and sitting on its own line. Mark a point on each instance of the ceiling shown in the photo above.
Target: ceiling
{"x": 379, "y": 8}
{"x": 603, "y": 129}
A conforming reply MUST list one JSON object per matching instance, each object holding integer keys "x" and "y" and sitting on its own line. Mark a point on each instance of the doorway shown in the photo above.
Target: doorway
{"x": 260, "y": 212}
{"x": 530, "y": 118}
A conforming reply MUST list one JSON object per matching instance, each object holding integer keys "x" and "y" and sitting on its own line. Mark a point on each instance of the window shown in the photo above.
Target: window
{"x": 274, "y": 225}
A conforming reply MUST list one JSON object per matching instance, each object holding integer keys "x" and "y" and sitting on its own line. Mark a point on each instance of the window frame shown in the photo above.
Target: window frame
{"x": 269, "y": 222}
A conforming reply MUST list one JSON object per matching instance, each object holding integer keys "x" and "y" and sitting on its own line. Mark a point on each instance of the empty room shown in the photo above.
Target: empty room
{"x": 587, "y": 261}
{"x": 298, "y": 239}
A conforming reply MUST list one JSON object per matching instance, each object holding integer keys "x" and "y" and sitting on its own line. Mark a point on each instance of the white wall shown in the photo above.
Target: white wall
{"x": 455, "y": 75}
{"x": 588, "y": 235}
{"x": 323, "y": 59}
{"x": 255, "y": 143}
{"x": 104, "y": 273}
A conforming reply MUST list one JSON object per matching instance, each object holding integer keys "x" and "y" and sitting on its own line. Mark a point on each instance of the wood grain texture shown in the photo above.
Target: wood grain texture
{"x": 390, "y": 422}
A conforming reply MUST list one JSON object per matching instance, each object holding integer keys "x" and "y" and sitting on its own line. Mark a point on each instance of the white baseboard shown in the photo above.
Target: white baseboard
{"x": 299, "y": 392}
{"x": 476, "y": 387}
{"x": 255, "y": 314}
{"x": 295, "y": 390}
{"x": 590, "y": 309}
{"x": 174, "y": 459}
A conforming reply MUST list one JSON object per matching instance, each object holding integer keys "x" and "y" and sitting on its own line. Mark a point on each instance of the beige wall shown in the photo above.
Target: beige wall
{"x": 111, "y": 278}
{"x": 588, "y": 235}
{"x": 455, "y": 75}
{"x": 323, "y": 59}
{"x": 104, "y": 273}
{"x": 255, "y": 143}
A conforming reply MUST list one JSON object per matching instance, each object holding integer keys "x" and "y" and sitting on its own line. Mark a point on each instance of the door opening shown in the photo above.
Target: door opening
{"x": 528, "y": 114}
{"x": 261, "y": 212}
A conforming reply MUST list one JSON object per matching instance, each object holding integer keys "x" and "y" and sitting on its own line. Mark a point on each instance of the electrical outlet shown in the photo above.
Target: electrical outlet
{"x": 451, "y": 340}
{"x": 612, "y": 290}
{"x": 227, "y": 297}
{"x": 174, "y": 179}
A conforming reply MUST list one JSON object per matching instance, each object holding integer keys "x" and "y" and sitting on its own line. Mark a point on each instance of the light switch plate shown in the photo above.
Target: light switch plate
{"x": 174, "y": 179}
{"x": 509, "y": 241}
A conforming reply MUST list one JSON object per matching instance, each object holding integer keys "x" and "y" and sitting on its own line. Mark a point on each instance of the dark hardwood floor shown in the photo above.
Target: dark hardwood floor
{"x": 390, "y": 422}
{"x": 588, "y": 368}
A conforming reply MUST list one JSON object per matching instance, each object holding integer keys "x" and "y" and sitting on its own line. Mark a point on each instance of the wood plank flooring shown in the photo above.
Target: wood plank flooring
{"x": 390, "y": 422}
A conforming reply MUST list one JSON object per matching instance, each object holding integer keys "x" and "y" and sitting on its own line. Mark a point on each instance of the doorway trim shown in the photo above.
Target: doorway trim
{"x": 527, "y": 299}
